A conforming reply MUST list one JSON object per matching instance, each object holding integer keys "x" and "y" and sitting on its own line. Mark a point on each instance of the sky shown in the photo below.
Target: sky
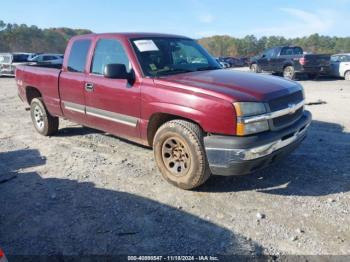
{"x": 193, "y": 18}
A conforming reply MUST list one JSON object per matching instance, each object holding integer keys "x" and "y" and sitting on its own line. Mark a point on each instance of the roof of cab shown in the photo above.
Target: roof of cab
{"x": 130, "y": 35}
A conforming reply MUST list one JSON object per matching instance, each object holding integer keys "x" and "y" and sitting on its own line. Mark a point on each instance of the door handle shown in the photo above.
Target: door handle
{"x": 89, "y": 87}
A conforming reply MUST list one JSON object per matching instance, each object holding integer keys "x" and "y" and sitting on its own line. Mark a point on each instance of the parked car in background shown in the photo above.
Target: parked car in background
{"x": 290, "y": 61}
{"x": 340, "y": 66}
{"x": 48, "y": 59}
{"x": 245, "y": 61}
{"x": 9, "y": 61}
{"x": 148, "y": 88}
{"x": 222, "y": 63}
{"x": 32, "y": 55}
{"x": 233, "y": 61}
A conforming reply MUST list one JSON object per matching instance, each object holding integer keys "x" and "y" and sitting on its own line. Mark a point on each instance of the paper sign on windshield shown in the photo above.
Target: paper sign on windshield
{"x": 146, "y": 45}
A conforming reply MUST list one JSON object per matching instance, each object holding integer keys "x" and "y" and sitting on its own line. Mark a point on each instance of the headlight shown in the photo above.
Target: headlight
{"x": 248, "y": 109}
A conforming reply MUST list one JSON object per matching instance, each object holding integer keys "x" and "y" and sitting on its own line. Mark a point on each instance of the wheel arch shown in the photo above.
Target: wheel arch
{"x": 31, "y": 93}
{"x": 158, "y": 119}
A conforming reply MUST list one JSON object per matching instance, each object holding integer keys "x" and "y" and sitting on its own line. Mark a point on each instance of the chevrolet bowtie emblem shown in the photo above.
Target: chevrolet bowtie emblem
{"x": 292, "y": 108}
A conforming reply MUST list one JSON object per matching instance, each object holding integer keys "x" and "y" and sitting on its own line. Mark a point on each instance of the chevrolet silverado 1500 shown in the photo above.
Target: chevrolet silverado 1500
{"x": 167, "y": 92}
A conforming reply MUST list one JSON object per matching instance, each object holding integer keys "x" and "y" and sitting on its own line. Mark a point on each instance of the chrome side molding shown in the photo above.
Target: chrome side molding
{"x": 100, "y": 113}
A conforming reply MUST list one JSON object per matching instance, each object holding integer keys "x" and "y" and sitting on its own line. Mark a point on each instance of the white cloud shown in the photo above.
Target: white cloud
{"x": 302, "y": 23}
{"x": 206, "y": 18}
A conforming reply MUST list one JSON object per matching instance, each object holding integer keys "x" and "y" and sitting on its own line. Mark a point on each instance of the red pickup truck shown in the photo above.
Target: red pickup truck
{"x": 167, "y": 92}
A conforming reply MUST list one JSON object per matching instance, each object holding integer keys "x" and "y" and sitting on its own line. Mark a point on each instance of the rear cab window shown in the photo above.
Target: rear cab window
{"x": 78, "y": 55}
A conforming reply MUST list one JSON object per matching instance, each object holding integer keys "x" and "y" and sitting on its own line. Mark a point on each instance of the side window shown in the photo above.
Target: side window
{"x": 298, "y": 51}
{"x": 343, "y": 58}
{"x": 334, "y": 58}
{"x": 287, "y": 51}
{"x": 78, "y": 55}
{"x": 109, "y": 51}
{"x": 270, "y": 53}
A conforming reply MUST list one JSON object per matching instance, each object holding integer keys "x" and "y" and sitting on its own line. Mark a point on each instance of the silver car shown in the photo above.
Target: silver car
{"x": 340, "y": 65}
{"x": 9, "y": 61}
{"x": 47, "y": 59}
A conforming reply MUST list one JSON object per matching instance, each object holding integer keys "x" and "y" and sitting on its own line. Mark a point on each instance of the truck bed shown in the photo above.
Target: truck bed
{"x": 45, "y": 78}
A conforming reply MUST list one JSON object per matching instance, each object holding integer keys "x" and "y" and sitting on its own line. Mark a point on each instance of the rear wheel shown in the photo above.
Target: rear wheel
{"x": 44, "y": 123}
{"x": 180, "y": 155}
{"x": 289, "y": 72}
{"x": 347, "y": 75}
{"x": 255, "y": 68}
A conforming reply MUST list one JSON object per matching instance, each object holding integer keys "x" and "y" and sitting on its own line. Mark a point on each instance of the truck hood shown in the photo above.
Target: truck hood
{"x": 231, "y": 85}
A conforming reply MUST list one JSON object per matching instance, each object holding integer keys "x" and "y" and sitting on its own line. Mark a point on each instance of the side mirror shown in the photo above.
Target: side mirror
{"x": 263, "y": 56}
{"x": 115, "y": 71}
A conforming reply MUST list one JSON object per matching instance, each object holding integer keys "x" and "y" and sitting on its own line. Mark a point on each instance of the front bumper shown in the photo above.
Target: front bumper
{"x": 7, "y": 70}
{"x": 233, "y": 155}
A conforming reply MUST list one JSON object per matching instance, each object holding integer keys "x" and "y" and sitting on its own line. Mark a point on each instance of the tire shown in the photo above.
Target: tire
{"x": 255, "y": 68}
{"x": 44, "y": 123}
{"x": 289, "y": 72}
{"x": 347, "y": 75}
{"x": 180, "y": 155}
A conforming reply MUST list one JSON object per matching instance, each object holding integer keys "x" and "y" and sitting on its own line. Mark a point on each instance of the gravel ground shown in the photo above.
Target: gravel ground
{"x": 87, "y": 192}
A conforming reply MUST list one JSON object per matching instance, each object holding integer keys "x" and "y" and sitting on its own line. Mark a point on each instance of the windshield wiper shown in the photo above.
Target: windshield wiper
{"x": 207, "y": 68}
{"x": 174, "y": 71}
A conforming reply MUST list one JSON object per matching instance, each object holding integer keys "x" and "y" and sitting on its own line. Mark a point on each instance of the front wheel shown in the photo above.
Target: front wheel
{"x": 44, "y": 123}
{"x": 289, "y": 72}
{"x": 180, "y": 155}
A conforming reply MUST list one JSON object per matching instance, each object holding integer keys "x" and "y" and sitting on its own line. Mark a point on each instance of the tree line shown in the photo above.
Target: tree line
{"x": 223, "y": 45}
{"x": 23, "y": 38}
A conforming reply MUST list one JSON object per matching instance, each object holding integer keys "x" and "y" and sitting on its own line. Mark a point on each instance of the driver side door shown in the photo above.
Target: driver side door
{"x": 112, "y": 105}
{"x": 263, "y": 61}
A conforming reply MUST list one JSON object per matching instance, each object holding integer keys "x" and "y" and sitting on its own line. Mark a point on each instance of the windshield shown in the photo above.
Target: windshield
{"x": 6, "y": 59}
{"x": 160, "y": 56}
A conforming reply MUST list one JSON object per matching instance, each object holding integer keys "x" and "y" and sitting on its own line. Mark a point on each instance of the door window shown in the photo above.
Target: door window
{"x": 109, "y": 51}
{"x": 297, "y": 51}
{"x": 287, "y": 51}
{"x": 344, "y": 58}
{"x": 334, "y": 58}
{"x": 78, "y": 55}
{"x": 270, "y": 53}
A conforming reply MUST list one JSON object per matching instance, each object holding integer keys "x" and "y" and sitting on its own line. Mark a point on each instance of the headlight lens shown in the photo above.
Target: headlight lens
{"x": 247, "y": 109}
{"x": 252, "y": 128}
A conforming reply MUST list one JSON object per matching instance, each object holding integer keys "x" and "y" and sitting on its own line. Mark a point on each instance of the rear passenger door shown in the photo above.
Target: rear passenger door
{"x": 112, "y": 105}
{"x": 72, "y": 81}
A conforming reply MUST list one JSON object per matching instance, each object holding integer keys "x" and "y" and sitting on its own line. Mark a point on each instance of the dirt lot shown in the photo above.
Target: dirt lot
{"x": 86, "y": 192}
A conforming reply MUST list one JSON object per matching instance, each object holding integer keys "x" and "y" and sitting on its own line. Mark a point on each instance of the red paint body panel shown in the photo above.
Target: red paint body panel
{"x": 204, "y": 97}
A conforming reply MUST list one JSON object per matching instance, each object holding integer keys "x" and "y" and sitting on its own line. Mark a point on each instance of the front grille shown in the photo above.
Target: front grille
{"x": 287, "y": 119}
{"x": 282, "y": 103}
